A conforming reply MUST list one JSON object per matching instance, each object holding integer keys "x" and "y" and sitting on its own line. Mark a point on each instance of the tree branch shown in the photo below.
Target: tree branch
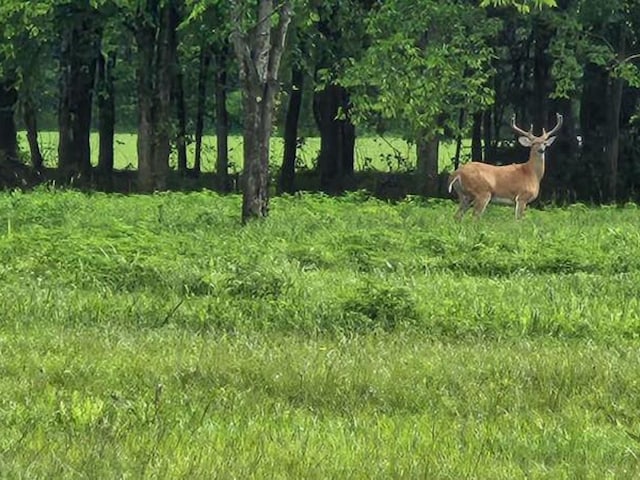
{"x": 279, "y": 39}
{"x": 240, "y": 42}
{"x": 262, "y": 39}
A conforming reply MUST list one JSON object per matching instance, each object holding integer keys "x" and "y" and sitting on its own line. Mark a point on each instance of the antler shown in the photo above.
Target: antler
{"x": 554, "y": 129}
{"x": 520, "y": 131}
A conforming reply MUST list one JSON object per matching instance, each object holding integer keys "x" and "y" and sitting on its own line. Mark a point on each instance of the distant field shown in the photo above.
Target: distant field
{"x": 152, "y": 336}
{"x": 389, "y": 154}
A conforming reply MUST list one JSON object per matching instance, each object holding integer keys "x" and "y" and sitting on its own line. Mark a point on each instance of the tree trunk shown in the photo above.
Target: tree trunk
{"x": 427, "y": 152}
{"x": 615, "y": 88}
{"x": 337, "y": 138}
{"x": 489, "y": 157}
{"x": 541, "y": 74}
{"x": 222, "y": 120}
{"x": 257, "y": 132}
{"x": 78, "y": 57}
{"x": 562, "y": 158}
{"x": 156, "y": 52}
{"x": 259, "y": 53}
{"x": 31, "y": 125}
{"x": 288, "y": 172}
{"x": 181, "y": 117}
{"x": 8, "y": 132}
{"x": 106, "y": 117}
{"x": 476, "y": 138}
{"x": 166, "y": 57}
{"x": 203, "y": 67}
{"x": 456, "y": 158}
{"x": 590, "y": 172}
{"x": 612, "y": 152}
{"x": 147, "y": 173}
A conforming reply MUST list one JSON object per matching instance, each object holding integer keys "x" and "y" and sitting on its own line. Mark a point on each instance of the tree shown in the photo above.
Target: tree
{"x": 210, "y": 28}
{"x": 288, "y": 170}
{"x": 154, "y": 28}
{"x": 258, "y": 47}
{"x": 106, "y": 113}
{"x": 419, "y": 75}
{"x": 523, "y": 6}
{"x": 79, "y": 36}
{"x": 592, "y": 57}
{"x": 8, "y": 134}
{"x": 24, "y": 28}
{"x": 299, "y": 60}
{"x": 110, "y": 45}
{"x": 337, "y": 38}
{"x": 204, "y": 60}
{"x": 221, "y": 56}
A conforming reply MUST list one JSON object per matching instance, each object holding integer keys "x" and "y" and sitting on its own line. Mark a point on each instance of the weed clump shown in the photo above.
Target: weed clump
{"x": 379, "y": 306}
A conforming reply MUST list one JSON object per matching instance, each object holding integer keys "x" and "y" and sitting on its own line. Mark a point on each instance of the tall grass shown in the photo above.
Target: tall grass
{"x": 155, "y": 337}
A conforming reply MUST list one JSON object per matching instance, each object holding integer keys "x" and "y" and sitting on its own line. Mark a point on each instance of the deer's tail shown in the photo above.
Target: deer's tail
{"x": 453, "y": 179}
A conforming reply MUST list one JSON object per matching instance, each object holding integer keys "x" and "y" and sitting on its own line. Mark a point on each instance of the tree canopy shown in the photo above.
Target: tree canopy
{"x": 426, "y": 70}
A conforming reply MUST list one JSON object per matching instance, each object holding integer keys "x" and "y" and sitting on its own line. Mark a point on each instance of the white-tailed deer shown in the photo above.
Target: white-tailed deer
{"x": 478, "y": 183}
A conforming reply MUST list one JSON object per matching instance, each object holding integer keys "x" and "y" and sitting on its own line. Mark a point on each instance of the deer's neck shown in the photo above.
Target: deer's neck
{"x": 536, "y": 162}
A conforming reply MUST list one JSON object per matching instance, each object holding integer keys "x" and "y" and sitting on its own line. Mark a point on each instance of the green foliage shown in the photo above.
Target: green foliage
{"x": 24, "y": 26}
{"x": 378, "y": 306}
{"x": 419, "y": 73}
{"x": 320, "y": 261}
{"x": 523, "y": 6}
{"x": 598, "y": 33}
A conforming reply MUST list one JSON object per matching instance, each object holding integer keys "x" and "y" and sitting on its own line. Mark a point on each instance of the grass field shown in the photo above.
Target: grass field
{"x": 155, "y": 337}
{"x": 383, "y": 154}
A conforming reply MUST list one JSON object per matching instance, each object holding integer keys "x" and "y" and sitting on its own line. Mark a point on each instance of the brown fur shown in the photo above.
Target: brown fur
{"x": 477, "y": 183}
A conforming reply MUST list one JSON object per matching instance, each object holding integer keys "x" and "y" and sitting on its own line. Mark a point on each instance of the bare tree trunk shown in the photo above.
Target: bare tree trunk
{"x": 255, "y": 199}
{"x": 203, "y": 67}
{"x": 156, "y": 51}
{"x": 222, "y": 119}
{"x": 558, "y": 181}
{"x": 78, "y": 57}
{"x": 181, "y": 116}
{"x": 613, "y": 134}
{"x": 337, "y": 137}
{"x": 427, "y": 151}
{"x": 486, "y": 133}
{"x": 476, "y": 138}
{"x": 8, "y": 132}
{"x": 456, "y": 158}
{"x": 541, "y": 74}
{"x": 166, "y": 56}
{"x": 145, "y": 37}
{"x": 615, "y": 88}
{"x": 259, "y": 53}
{"x": 589, "y": 176}
{"x": 31, "y": 125}
{"x": 288, "y": 172}
{"x": 106, "y": 117}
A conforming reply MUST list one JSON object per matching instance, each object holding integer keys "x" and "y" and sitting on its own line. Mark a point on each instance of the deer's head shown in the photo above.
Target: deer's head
{"x": 539, "y": 144}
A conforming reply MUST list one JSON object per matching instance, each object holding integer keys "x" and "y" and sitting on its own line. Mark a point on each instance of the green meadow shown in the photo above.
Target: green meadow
{"x": 156, "y": 337}
{"x": 371, "y": 153}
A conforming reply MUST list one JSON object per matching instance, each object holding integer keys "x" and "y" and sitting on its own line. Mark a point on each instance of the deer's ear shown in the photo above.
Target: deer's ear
{"x": 524, "y": 141}
{"x": 549, "y": 141}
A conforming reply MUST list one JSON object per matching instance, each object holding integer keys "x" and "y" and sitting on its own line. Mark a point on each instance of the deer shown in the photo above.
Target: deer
{"x": 477, "y": 183}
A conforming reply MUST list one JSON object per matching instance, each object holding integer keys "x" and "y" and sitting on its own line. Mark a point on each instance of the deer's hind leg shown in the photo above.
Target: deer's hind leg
{"x": 480, "y": 204}
{"x": 465, "y": 204}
